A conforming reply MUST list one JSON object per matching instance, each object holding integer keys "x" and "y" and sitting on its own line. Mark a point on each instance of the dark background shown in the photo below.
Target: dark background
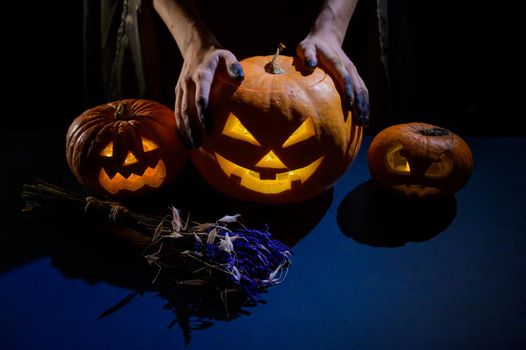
{"x": 450, "y": 63}
{"x": 452, "y": 278}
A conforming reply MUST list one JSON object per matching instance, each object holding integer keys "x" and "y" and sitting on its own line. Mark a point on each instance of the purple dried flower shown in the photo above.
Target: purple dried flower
{"x": 242, "y": 259}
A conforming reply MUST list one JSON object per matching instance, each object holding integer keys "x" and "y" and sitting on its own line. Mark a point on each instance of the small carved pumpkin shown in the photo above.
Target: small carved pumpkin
{"x": 125, "y": 148}
{"x": 278, "y": 136}
{"x": 419, "y": 159}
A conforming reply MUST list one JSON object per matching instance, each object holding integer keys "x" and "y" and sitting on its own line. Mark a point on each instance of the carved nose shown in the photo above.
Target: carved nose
{"x": 271, "y": 160}
{"x": 130, "y": 159}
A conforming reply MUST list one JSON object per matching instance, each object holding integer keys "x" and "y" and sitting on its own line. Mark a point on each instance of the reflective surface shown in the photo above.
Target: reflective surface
{"x": 369, "y": 271}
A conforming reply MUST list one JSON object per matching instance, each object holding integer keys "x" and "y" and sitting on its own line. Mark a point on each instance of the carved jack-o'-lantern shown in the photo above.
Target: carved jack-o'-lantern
{"x": 125, "y": 148}
{"x": 419, "y": 159}
{"x": 278, "y": 136}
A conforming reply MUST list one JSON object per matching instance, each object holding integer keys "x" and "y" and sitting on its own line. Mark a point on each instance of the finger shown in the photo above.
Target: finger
{"x": 307, "y": 54}
{"x": 346, "y": 84}
{"x": 233, "y": 67}
{"x": 202, "y": 94}
{"x": 189, "y": 114}
{"x": 362, "y": 107}
{"x": 349, "y": 90}
{"x": 362, "y": 98}
{"x": 182, "y": 125}
{"x": 342, "y": 78}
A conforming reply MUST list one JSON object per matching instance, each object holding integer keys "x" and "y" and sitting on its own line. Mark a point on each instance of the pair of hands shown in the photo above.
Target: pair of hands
{"x": 195, "y": 80}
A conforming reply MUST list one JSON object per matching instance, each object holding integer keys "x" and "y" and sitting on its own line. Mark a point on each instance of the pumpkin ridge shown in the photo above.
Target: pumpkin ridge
{"x": 152, "y": 127}
{"x": 100, "y": 133}
{"x": 436, "y": 166}
{"x": 80, "y": 126}
{"x": 93, "y": 130}
{"x": 136, "y": 144}
{"x": 78, "y": 155}
{"x": 80, "y": 140}
{"x": 273, "y": 108}
{"x": 252, "y": 64}
{"x": 433, "y": 132}
{"x": 149, "y": 119}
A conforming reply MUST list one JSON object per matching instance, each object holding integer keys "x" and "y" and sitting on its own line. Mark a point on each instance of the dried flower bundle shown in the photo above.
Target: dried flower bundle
{"x": 225, "y": 253}
{"x": 232, "y": 257}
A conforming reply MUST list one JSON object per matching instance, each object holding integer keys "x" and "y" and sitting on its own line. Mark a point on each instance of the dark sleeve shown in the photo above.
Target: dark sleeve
{"x": 121, "y": 50}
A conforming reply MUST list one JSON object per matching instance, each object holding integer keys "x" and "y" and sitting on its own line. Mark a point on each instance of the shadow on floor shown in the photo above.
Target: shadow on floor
{"x": 372, "y": 216}
{"x": 82, "y": 248}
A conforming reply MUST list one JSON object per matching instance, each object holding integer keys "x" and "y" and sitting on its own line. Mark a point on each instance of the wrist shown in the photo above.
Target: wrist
{"x": 186, "y": 26}
{"x": 326, "y": 34}
{"x": 197, "y": 44}
{"x": 333, "y": 20}
{"x": 327, "y": 30}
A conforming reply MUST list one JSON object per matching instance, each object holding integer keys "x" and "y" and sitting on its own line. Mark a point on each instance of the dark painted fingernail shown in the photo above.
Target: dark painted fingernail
{"x": 237, "y": 71}
{"x": 363, "y": 104}
{"x": 310, "y": 63}
{"x": 362, "y": 120}
{"x": 362, "y": 109}
{"x": 203, "y": 112}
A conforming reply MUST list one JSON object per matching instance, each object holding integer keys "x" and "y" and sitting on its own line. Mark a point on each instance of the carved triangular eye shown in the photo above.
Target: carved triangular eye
{"x": 107, "y": 151}
{"x": 148, "y": 145}
{"x": 303, "y": 132}
{"x": 235, "y": 129}
{"x": 398, "y": 162}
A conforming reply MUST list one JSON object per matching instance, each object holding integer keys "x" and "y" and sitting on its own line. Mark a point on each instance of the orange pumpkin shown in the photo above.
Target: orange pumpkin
{"x": 125, "y": 148}
{"x": 420, "y": 160}
{"x": 277, "y": 136}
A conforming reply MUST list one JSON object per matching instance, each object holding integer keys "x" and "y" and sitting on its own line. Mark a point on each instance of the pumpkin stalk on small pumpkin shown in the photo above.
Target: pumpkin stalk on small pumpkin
{"x": 433, "y": 131}
{"x": 123, "y": 112}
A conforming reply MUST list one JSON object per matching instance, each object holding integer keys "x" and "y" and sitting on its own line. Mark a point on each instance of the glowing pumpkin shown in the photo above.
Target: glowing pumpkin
{"x": 419, "y": 159}
{"x": 281, "y": 135}
{"x": 125, "y": 148}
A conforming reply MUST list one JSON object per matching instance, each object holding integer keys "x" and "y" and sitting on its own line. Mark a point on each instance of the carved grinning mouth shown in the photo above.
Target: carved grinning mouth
{"x": 152, "y": 177}
{"x": 282, "y": 182}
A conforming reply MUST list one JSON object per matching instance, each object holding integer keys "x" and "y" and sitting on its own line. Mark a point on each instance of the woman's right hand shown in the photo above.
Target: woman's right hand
{"x": 193, "y": 89}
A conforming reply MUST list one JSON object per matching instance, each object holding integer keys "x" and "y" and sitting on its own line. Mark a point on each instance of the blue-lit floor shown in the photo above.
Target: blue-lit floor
{"x": 358, "y": 280}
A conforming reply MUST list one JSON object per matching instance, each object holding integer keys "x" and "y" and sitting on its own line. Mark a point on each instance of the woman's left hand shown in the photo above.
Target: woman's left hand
{"x": 324, "y": 50}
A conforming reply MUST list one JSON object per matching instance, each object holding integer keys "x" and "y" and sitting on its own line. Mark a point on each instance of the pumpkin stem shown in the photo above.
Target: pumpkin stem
{"x": 434, "y": 132}
{"x": 272, "y": 67}
{"x": 122, "y": 111}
